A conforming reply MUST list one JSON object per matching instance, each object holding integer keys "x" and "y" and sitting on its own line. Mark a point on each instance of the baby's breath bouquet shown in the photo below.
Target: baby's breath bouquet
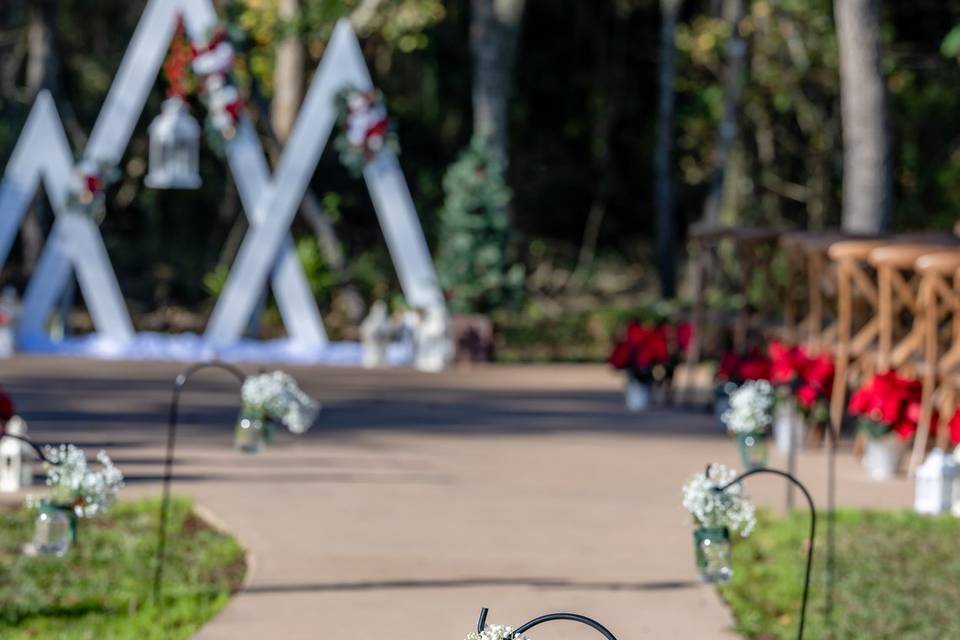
{"x": 495, "y": 632}
{"x": 77, "y": 485}
{"x": 271, "y": 398}
{"x": 751, "y": 408}
{"x": 730, "y": 509}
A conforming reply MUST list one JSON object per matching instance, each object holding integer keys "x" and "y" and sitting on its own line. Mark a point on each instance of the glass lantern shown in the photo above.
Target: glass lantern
{"x": 54, "y": 530}
{"x": 174, "y": 148}
{"x": 713, "y": 553}
{"x": 753, "y": 450}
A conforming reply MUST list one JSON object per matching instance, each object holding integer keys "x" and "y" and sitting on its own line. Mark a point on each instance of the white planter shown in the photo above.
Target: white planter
{"x": 881, "y": 458}
{"x": 937, "y": 482}
{"x": 637, "y": 395}
{"x": 788, "y": 428}
{"x": 7, "y": 341}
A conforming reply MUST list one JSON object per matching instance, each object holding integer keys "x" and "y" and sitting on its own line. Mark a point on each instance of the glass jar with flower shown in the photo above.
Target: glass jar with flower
{"x": 76, "y": 490}
{"x": 268, "y": 399}
{"x": 749, "y": 419}
{"x": 715, "y": 514}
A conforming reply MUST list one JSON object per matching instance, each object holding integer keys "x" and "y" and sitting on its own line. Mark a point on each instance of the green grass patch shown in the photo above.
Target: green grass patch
{"x": 897, "y": 576}
{"x": 102, "y": 587}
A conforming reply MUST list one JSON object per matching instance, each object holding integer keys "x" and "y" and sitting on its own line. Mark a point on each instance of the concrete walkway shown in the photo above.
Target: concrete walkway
{"x": 418, "y": 499}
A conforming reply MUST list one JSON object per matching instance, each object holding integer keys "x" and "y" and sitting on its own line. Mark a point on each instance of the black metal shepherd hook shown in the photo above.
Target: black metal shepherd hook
{"x": 33, "y": 445}
{"x": 572, "y": 617}
{"x": 178, "y": 386}
{"x": 813, "y": 529}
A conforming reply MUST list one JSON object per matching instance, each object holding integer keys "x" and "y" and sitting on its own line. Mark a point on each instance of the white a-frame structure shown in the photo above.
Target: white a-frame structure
{"x": 270, "y": 202}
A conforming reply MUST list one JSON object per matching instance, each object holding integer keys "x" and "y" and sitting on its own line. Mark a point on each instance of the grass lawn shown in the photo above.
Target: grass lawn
{"x": 101, "y": 588}
{"x": 897, "y": 576}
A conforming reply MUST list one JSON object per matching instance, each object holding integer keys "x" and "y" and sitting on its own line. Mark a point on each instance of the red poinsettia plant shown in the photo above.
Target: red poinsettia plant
{"x": 888, "y": 403}
{"x": 803, "y": 378}
{"x": 954, "y": 426}
{"x": 736, "y": 368}
{"x": 646, "y": 347}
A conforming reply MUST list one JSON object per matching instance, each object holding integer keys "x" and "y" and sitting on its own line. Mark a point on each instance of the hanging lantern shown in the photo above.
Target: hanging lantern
{"x": 174, "y": 148}
{"x": 15, "y": 471}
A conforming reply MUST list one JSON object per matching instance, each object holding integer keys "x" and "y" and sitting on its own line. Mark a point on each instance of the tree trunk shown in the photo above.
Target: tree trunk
{"x": 494, "y": 27}
{"x": 663, "y": 151}
{"x": 867, "y": 186}
{"x": 735, "y": 67}
{"x": 288, "y": 73}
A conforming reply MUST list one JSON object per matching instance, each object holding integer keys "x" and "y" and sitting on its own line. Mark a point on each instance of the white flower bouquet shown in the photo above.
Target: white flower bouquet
{"x": 74, "y": 483}
{"x": 495, "y": 632}
{"x": 730, "y": 509}
{"x": 276, "y": 396}
{"x": 751, "y": 408}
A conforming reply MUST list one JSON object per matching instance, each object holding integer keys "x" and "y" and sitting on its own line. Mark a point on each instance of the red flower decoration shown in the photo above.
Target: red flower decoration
{"x": 6, "y": 406}
{"x": 890, "y": 400}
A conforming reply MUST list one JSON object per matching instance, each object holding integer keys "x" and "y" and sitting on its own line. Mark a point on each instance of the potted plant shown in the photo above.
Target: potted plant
{"x": 76, "y": 490}
{"x": 715, "y": 515}
{"x": 475, "y": 264}
{"x": 647, "y": 354}
{"x": 887, "y": 409}
{"x": 803, "y": 386}
{"x": 937, "y": 488}
{"x": 749, "y": 419}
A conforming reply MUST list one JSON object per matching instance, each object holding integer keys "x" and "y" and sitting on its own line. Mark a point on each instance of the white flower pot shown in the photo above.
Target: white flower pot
{"x": 637, "y": 395}
{"x": 788, "y": 428}
{"x": 881, "y": 457}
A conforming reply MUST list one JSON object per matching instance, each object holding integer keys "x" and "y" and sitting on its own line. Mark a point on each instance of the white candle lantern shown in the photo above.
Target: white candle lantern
{"x": 174, "y": 148}
{"x": 15, "y": 470}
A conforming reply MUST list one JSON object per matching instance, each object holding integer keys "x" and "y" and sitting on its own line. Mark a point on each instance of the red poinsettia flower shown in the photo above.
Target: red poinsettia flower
{"x": 684, "y": 335}
{"x": 890, "y": 400}
{"x": 786, "y": 363}
{"x": 954, "y": 426}
{"x": 819, "y": 373}
{"x": 807, "y": 396}
{"x": 6, "y": 406}
{"x": 94, "y": 183}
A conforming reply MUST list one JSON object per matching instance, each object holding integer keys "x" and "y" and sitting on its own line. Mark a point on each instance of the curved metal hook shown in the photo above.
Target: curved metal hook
{"x": 813, "y": 529}
{"x": 33, "y": 445}
{"x": 174, "y": 417}
{"x": 572, "y": 617}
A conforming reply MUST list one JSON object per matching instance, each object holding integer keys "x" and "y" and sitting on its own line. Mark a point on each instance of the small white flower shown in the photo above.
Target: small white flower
{"x": 72, "y": 481}
{"x": 495, "y": 632}
{"x": 730, "y": 508}
{"x": 751, "y": 408}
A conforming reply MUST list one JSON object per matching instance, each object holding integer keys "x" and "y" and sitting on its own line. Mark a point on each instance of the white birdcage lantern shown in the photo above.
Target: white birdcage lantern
{"x": 15, "y": 470}
{"x": 937, "y": 483}
{"x": 174, "y": 148}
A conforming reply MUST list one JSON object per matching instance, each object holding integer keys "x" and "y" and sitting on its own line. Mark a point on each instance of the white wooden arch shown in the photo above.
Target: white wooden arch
{"x": 270, "y": 202}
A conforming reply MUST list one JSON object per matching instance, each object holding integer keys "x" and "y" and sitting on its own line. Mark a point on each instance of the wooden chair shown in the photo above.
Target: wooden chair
{"x": 940, "y": 316}
{"x": 857, "y": 323}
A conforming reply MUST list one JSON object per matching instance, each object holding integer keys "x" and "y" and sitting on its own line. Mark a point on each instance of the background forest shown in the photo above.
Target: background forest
{"x": 554, "y": 103}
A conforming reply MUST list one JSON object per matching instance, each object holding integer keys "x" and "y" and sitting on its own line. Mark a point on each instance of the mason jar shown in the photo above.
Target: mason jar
{"x": 54, "y": 529}
{"x": 713, "y": 553}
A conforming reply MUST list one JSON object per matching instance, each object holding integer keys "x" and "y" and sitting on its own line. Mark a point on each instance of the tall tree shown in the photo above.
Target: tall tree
{"x": 734, "y": 80}
{"x": 663, "y": 151}
{"x": 494, "y": 27}
{"x": 867, "y": 181}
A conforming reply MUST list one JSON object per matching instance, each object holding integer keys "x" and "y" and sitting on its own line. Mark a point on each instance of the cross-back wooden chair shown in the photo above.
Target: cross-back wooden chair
{"x": 877, "y": 300}
{"x": 940, "y": 317}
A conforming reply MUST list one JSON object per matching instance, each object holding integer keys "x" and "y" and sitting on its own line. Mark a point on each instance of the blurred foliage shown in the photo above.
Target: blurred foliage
{"x": 473, "y": 262}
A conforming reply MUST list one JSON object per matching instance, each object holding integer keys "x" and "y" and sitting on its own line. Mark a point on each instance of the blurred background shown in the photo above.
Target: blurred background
{"x": 747, "y": 95}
